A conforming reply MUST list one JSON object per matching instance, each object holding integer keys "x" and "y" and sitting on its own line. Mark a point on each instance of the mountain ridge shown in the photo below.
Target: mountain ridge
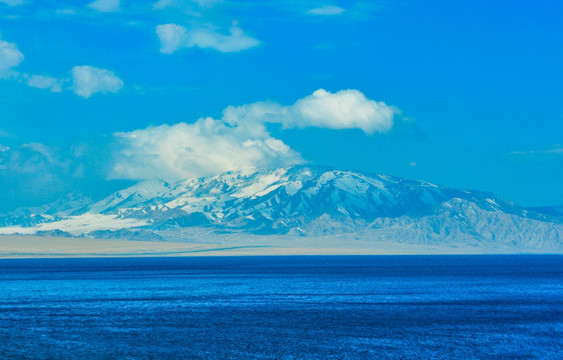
{"x": 297, "y": 201}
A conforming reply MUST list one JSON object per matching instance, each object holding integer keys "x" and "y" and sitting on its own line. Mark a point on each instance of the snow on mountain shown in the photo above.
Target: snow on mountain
{"x": 303, "y": 201}
{"x": 137, "y": 194}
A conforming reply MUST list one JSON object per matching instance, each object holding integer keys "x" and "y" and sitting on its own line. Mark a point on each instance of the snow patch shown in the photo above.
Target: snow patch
{"x": 85, "y": 223}
{"x": 260, "y": 185}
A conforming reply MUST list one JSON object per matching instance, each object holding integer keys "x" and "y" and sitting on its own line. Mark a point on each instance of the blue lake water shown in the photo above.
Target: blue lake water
{"x": 337, "y": 307}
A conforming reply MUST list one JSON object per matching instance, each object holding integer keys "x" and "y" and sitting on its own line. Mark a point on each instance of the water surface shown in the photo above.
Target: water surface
{"x": 290, "y": 307}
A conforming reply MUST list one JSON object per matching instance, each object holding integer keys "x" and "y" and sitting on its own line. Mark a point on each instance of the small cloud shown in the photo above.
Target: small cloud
{"x": 12, "y": 2}
{"x": 88, "y": 80}
{"x": 45, "y": 82}
{"x": 173, "y": 37}
{"x": 10, "y": 57}
{"x": 327, "y": 10}
{"x": 412, "y": 163}
{"x": 105, "y": 5}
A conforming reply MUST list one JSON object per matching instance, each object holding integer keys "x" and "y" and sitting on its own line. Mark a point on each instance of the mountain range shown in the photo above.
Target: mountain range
{"x": 297, "y": 202}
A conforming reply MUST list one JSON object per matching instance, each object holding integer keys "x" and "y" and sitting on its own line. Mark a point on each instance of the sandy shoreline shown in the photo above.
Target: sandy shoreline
{"x": 29, "y": 246}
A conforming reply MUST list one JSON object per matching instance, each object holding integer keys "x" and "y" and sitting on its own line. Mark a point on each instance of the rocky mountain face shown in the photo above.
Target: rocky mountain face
{"x": 301, "y": 201}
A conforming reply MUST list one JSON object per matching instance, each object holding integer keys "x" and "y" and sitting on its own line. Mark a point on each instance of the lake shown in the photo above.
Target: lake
{"x": 286, "y": 307}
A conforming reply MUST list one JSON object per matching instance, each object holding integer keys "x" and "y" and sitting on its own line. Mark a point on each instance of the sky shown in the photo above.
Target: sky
{"x": 96, "y": 95}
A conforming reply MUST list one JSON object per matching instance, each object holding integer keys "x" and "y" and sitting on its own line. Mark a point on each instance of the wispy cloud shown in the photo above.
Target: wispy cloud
{"x": 66, "y": 11}
{"x": 555, "y": 150}
{"x": 327, "y": 10}
{"x": 32, "y": 174}
{"x": 174, "y": 37}
{"x": 12, "y": 2}
{"x": 88, "y": 80}
{"x": 161, "y": 4}
{"x": 10, "y": 57}
{"x": 29, "y": 172}
{"x": 105, "y": 5}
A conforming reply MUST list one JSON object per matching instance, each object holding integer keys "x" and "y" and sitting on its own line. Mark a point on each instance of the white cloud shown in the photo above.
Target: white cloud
{"x": 206, "y": 147}
{"x": 240, "y": 138}
{"x": 12, "y": 2}
{"x": 10, "y": 57}
{"x": 173, "y": 37}
{"x": 326, "y": 10}
{"x": 345, "y": 109}
{"x": 105, "y": 5}
{"x": 45, "y": 82}
{"x": 88, "y": 80}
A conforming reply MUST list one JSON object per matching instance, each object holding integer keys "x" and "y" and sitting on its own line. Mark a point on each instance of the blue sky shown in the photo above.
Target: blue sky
{"x": 97, "y": 94}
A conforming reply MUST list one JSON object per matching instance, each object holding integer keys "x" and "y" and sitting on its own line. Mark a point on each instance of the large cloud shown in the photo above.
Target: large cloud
{"x": 240, "y": 138}
{"x": 88, "y": 80}
{"x": 10, "y": 57}
{"x": 174, "y": 37}
{"x": 206, "y": 147}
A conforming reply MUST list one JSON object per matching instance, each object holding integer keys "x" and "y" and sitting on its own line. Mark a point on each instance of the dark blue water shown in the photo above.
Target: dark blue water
{"x": 349, "y": 307}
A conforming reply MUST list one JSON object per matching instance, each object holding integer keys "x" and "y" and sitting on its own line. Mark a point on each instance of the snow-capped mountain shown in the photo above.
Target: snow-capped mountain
{"x": 301, "y": 201}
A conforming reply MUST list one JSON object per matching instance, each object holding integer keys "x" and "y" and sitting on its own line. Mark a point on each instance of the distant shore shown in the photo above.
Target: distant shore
{"x": 30, "y": 246}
